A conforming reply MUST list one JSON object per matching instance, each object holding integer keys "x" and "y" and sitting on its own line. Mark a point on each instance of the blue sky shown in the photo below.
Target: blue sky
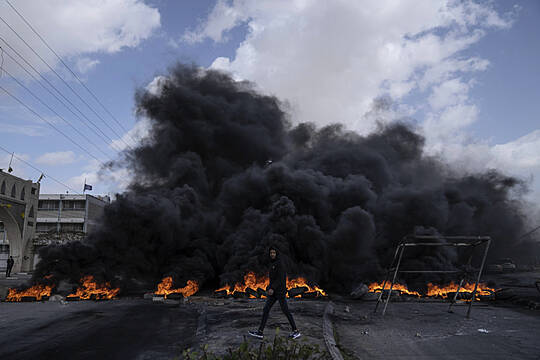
{"x": 466, "y": 71}
{"x": 508, "y": 92}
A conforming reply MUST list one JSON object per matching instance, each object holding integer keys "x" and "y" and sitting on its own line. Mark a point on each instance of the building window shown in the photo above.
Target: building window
{"x": 73, "y": 205}
{"x": 33, "y": 191}
{"x": 23, "y": 194}
{"x": 45, "y": 227}
{"x": 48, "y": 204}
{"x": 14, "y": 191}
{"x": 71, "y": 227}
{"x": 3, "y": 188}
{"x": 31, "y": 213}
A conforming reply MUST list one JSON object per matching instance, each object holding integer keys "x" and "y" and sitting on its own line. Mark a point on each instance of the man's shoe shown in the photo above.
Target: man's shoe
{"x": 256, "y": 333}
{"x": 295, "y": 334}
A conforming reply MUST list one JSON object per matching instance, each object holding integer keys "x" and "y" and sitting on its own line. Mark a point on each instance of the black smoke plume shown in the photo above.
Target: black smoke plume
{"x": 223, "y": 174}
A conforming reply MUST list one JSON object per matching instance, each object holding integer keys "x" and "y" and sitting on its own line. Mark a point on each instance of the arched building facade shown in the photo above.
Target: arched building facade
{"x": 18, "y": 208}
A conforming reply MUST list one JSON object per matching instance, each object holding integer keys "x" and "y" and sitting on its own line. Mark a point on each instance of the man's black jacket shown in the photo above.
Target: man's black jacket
{"x": 278, "y": 280}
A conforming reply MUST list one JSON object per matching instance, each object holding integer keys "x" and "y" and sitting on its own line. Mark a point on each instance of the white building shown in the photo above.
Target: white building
{"x": 60, "y": 217}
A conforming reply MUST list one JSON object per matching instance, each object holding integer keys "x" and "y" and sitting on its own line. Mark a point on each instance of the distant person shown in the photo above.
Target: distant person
{"x": 276, "y": 292}
{"x": 10, "y": 263}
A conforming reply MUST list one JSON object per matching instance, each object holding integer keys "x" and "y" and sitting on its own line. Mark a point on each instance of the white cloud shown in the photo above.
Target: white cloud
{"x": 107, "y": 180}
{"x": 57, "y": 158}
{"x": 85, "y": 64}
{"x": 448, "y": 68}
{"x": 520, "y": 157}
{"x": 154, "y": 87}
{"x": 520, "y": 154}
{"x": 450, "y": 92}
{"x": 76, "y": 27}
{"x": 331, "y": 59}
{"x": 447, "y": 127}
{"x": 173, "y": 43}
{"x": 137, "y": 133}
{"x": 102, "y": 181}
{"x": 222, "y": 18}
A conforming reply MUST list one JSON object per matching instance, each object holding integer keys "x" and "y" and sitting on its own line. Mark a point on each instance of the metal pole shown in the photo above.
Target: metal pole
{"x": 393, "y": 279}
{"x": 386, "y": 278}
{"x": 478, "y": 278}
{"x": 456, "y": 295}
{"x": 380, "y": 295}
{"x": 468, "y": 263}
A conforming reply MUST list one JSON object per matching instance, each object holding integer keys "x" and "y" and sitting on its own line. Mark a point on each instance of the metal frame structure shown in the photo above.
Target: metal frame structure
{"x": 457, "y": 241}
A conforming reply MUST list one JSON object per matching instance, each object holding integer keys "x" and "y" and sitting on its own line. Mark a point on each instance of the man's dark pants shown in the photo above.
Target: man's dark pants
{"x": 8, "y": 271}
{"x": 283, "y": 304}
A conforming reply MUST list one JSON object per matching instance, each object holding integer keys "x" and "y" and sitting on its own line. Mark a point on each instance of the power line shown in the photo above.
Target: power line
{"x": 2, "y": 63}
{"x": 57, "y": 114}
{"x": 48, "y": 122}
{"x": 35, "y": 168}
{"x": 71, "y": 71}
{"x": 55, "y": 96}
{"x": 65, "y": 83}
{"x": 59, "y": 93}
{"x": 529, "y": 233}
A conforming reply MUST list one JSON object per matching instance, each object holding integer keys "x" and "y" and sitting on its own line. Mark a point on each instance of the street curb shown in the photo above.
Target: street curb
{"x": 328, "y": 333}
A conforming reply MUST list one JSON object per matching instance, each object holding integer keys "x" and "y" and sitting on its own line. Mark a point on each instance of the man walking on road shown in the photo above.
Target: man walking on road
{"x": 276, "y": 292}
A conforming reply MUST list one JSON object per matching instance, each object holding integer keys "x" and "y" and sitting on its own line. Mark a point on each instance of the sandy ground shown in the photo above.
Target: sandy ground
{"x": 132, "y": 328}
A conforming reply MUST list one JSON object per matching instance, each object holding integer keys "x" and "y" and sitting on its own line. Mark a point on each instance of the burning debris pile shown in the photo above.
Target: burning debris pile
{"x": 438, "y": 291}
{"x": 254, "y": 287}
{"x": 223, "y": 174}
{"x": 91, "y": 290}
{"x": 165, "y": 288}
{"x": 35, "y": 293}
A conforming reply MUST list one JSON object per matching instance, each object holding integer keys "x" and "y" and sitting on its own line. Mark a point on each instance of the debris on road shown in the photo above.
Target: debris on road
{"x": 360, "y": 291}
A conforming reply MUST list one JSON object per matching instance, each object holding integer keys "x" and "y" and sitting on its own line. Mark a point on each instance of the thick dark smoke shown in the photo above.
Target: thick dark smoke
{"x": 223, "y": 174}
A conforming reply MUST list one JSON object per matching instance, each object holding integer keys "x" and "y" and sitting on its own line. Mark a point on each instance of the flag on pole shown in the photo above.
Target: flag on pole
{"x": 86, "y": 186}
{"x": 10, "y": 169}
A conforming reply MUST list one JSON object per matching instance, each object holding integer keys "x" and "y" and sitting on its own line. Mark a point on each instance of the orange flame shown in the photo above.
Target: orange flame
{"x": 254, "y": 282}
{"x": 165, "y": 288}
{"x": 298, "y": 282}
{"x": 375, "y": 287}
{"x": 90, "y": 287}
{"x": 436, "y": 290}
{"x": 250, "y": 281}
{"x": 442, "y": 291}
{"x": 38, "y": 291}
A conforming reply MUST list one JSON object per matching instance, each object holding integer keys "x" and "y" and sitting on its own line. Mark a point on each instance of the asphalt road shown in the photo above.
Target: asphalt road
{"x": 118, "y": 329}
{"x": 140, "y": 329}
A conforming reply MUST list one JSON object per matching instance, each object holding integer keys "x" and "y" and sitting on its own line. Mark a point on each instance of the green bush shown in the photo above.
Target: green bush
{"x": 279, "y": 349}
